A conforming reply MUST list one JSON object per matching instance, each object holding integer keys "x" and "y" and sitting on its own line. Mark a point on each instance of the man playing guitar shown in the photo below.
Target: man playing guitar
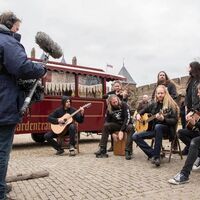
{"x": 192, "y": 104}
{"x": 194, "y": 152}
{"x": 165, "y": 113}
{"x": 56, "y": 118}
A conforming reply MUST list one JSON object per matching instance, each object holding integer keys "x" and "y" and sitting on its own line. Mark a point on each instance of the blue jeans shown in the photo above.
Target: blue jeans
{"x": 159, "y": 131}
{"x": 6, "y": 140}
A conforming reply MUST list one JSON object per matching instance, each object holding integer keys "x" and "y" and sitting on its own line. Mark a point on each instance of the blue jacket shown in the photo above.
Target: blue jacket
{"x": 14, "y": 65}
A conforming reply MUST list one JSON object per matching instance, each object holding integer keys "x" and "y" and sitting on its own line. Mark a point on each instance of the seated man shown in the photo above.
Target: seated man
{"x": 186, "y": 135}
{"x": 183, "y": 175}
{"x": 71, "y": 128}
{"x": 118, "y": 118}
{"x": 163, "y": 124}
{"x": 123, "y": 96}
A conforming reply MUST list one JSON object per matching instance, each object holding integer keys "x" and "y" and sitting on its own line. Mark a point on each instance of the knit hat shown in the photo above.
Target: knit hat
{"x": 64, "y": 99}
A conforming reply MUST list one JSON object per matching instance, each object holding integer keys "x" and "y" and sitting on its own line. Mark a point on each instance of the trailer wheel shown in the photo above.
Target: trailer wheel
{"x": 38, "y": 137}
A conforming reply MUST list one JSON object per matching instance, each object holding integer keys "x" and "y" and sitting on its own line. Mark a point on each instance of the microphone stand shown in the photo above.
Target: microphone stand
{"x": 31, "y": 92}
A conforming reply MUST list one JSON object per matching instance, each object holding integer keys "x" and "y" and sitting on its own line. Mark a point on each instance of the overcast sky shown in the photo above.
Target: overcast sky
{"x": 151, "y": 35}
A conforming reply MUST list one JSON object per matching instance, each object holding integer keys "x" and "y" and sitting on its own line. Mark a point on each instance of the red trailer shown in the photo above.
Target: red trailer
{"x": 83, "y": 84}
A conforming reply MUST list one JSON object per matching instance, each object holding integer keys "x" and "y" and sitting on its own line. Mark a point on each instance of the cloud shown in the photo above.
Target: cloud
{"x": 151, "y": 35}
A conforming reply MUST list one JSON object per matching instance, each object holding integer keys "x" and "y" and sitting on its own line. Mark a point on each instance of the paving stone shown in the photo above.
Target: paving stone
{"x": 85, "y": 177}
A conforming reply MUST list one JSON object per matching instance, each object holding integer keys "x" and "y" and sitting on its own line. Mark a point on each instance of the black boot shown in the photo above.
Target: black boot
{"x": 185, "y": 151}
{"x": 8, "y": 188}
{"x": 110, "y": 149}
{"x": 101, "y": 153}
{"x": 128, "y": 155}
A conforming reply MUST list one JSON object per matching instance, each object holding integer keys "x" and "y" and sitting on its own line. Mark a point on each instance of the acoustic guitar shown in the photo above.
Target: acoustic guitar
{"x": 67, "y": 118}
{"x": 143, "y": 124}
{"x": 196, "y": 116}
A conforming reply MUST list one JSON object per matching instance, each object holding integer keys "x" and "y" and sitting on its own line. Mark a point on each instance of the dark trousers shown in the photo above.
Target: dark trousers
{"x": 110, "y": 128}
{"x": 159, "y": 131}
{"x": 186, "y": 136}
{"x": 71, "y": 131}
{"x": 192, "y": 156}
{"x": 6, "y": 140}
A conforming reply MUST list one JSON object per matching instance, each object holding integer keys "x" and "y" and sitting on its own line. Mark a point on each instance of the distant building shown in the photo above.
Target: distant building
{"x": 124, "y": 72}
{"x": 63, "y": 60}
{"x": 130, "y": 86}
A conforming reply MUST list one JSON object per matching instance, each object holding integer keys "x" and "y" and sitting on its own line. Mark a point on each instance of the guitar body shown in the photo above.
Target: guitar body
{"x": 196, "y": 117}
{"x": 60, "y": 128}
{"x": 143, "y": 124}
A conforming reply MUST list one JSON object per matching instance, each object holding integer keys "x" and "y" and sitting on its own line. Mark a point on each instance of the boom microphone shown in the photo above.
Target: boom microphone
{"x": 48, "y": 45}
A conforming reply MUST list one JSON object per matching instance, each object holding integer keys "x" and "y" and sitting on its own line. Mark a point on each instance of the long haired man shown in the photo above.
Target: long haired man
{"x": 166, "y": 112}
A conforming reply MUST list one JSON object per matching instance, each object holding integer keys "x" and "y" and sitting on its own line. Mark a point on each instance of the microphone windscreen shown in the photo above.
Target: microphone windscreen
{"x": 48, "y": 45}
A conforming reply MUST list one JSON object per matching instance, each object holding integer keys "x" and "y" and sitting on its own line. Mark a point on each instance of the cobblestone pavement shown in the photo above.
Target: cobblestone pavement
{"x": 86, "y": 177}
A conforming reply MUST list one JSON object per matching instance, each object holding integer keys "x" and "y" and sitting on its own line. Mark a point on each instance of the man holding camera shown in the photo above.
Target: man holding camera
{"x": 14, "y": 65}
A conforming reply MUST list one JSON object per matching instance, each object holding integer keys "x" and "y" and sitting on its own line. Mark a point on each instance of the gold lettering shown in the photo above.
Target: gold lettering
{"x": 33, "y": 126}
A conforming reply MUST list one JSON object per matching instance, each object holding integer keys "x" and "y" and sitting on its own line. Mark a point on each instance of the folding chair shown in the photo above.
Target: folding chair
{"x": 175, "y": 147}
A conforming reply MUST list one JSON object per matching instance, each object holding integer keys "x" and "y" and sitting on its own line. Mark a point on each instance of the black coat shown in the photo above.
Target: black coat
{"x": 14, "y": 65}
{"x": 191, "y": 98}
{"x": 120, "y": 116}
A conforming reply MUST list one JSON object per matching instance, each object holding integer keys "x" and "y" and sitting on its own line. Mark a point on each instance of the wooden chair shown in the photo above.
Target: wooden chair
{"x": 175, "y": 148}
{"x": 119, "y": 145}
{"x": 63, "y": 140}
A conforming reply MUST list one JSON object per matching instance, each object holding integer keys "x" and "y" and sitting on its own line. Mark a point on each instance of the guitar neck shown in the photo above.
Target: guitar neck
{"x": 151, "y": 118}
{"x": 75, "y": 112}
{"x": 85, "y": 106}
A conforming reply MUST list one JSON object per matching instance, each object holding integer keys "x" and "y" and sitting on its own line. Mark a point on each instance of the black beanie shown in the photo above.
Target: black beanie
{"x": 64, "y": 99}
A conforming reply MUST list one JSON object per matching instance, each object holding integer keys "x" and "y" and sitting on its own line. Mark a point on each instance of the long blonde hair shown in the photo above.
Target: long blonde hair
{"x": 168, "y": 102}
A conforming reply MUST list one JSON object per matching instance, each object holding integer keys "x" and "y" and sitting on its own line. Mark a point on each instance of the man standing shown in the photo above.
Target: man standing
{"x": 163, "y": 79}
{"x": 191, "y": 103}
{"x": 118, "y": 118}
{"x": 14, "y": 65}
{"x": 55, "y": 118}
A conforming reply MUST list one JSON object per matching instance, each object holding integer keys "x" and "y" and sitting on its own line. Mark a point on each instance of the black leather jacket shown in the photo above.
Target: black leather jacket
{"x": 191, "y": 98}
{"x": 170, "y": 117}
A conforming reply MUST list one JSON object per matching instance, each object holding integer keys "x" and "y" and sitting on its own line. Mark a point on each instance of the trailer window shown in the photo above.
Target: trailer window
{"x": 90, "y": 86}
{"x": 60, "y": 83}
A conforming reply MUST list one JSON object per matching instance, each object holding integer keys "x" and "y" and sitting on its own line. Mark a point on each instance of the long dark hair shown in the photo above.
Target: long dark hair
{"x": 166, "y": 76}
{"x": 195, "y": 71}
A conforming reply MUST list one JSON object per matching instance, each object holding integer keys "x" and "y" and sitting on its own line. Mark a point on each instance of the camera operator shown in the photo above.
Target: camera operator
{"x": 14, "y": 65}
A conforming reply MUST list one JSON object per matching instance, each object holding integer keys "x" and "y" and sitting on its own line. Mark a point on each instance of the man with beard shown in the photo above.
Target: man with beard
{"x": 163, "y": 79}
{"x": 118, "y": 119}
{"x": 165, "y": 112}
{"x": 191, "y": 104}
{"x": 14, "y": 65}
